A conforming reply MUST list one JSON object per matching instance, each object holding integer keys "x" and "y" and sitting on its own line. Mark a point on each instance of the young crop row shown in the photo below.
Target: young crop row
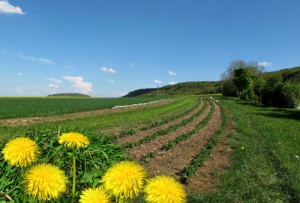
{"x": 130, "y": 131}
{"x": 166, "y": 130}
{"x": 172, "y": 143}
{"x": 190, "y": 170}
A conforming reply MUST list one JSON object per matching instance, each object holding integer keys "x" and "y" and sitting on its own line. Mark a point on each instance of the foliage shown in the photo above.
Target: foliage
{"x": 243, "y": 81}
{"x": 279, "y": 88}
{"x": 92, "y": 161}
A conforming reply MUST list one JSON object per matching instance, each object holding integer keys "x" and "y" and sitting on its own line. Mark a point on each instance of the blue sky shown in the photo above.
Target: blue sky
{"x": 106, "y": 48}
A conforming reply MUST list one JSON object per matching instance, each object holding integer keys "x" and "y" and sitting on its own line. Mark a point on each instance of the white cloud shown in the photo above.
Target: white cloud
{"x": 264, "y": 63}
{"x": 108, "y": 70}
{"x": 19, "y": 74}
{"x": 51, "y": 85}
{"x": 171, "y": 73}
{"x": 30, "y": 58}
{"x": 172, "y": 83}
{"x": 111, "y": 81}
{"x": 158, "y": 81}
{"x": 19, "y": 90}
{"x": 56, "y": 81}
{"x": 7, "y": 8}
{"x": 78, "y": 84}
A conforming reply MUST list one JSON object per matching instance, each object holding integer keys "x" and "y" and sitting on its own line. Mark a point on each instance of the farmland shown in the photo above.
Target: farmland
{"x": 226, "y": 151}
{"x": 18, "y": 107}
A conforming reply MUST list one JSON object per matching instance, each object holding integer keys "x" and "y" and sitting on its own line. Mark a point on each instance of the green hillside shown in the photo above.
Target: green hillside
{"x": 185, "y": 88}
{"x": 69, "y": 95}
{"x": 208, "y": 87}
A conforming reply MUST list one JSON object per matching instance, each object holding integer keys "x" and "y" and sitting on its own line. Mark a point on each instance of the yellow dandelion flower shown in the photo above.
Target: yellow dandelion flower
{"x": 21, "y": 152}
{"x": 72, "y": 140}
{"x": 94, "y": 195}
{"x": 124, "y": 180}
{"x": 45, "y": 182}
{"x": 164, "y": 189}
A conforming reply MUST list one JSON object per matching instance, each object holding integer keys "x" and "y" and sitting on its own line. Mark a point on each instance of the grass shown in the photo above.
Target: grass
{"x": 264, "y": 166}
{"x": 265, "y": 163}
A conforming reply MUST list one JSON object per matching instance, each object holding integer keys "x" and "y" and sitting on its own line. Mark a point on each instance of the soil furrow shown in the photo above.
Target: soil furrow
{"x": 154, "y": 145}
{"x": 141, "y": 134}
{"x": 206, "y": 178}
{"x": 171, "y": 162}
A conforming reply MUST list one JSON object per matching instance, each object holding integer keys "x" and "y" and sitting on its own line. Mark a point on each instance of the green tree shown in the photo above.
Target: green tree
{"x": 243, "y": 81}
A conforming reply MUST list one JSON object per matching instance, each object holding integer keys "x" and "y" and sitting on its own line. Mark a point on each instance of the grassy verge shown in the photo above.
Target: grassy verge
{"x": 265, "y": 163}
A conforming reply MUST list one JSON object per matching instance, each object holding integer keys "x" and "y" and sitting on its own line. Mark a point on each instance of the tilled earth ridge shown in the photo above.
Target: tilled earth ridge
{"x": 171, "y": 162}
{"x": 206, "y": 178}
{"x": 155, "y": 144}
{"x": 143, "y": 133}
{"x": 33, "y": 120}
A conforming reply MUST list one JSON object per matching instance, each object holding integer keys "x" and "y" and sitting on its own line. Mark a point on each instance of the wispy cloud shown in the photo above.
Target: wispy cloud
{"x": 30, "y": 58}
{"x": 158, "y": 81}
{"x": 19, "y": 90}
{"x": 7, "y": 8}
{"x": 55, "y": 84}
{"x": 78, "y": 84}
{"x": 51, "y": 85}
{"x": 19, "y": 73}
{"x": 172, "y": 83}
{"x": 171, "y": 73}
{"x": 111, "y": 81}
{"x": 132, "y": 64}
{"x": 108, "y": 70}
{"x": 264, "y": 63}
{"x": 56, "y": 81}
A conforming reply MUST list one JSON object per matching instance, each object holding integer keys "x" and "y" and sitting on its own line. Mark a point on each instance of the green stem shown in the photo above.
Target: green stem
{"x": 24, "y": 194}
{"x": 74, "y": 177}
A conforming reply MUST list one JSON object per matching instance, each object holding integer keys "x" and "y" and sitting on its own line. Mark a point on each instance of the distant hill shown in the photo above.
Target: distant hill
{"x": 69, "y": 95}
{"x": 185, "y": 88}
{"x": 292, "y": 74}
{"x": 207, "y": 87}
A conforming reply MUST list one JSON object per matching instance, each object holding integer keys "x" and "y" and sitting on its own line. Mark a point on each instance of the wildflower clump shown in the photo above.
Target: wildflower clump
{"x": 94, "y": 195}
{"x": 21, "y": 152}
{"x": 161, "y": 189}
{"x": 74, "y": 140}
{"x": 124, "y": 180}
{"x": 45, "y": 182}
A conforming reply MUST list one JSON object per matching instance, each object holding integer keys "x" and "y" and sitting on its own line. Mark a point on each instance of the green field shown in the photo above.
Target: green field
{"x": 18, "y": 107}
{"x": 264, "y": 164}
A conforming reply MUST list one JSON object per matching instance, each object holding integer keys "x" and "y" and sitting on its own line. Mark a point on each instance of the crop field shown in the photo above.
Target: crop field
{"x": 220, "y": 150}
{"x": 19, "y": 107}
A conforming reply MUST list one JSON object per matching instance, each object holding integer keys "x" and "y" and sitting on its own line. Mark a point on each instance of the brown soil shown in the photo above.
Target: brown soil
{"x": 171, "y": 162}
{"x": 33, "y": 120}
{"x": 207, "y": 176}
{"x": 140, "y": 135}
{"x": 155, "y": 144}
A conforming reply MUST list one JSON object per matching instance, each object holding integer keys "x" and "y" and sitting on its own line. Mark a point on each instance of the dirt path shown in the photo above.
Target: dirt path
{"x": 171, "y": 162}
{"x": 33, "y": 120}
{"x": 141, "y": 134}
{"x": 155, "y": 144}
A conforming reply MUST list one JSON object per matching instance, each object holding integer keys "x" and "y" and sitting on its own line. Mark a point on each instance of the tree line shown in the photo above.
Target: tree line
{"x": 248, "y": 81}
